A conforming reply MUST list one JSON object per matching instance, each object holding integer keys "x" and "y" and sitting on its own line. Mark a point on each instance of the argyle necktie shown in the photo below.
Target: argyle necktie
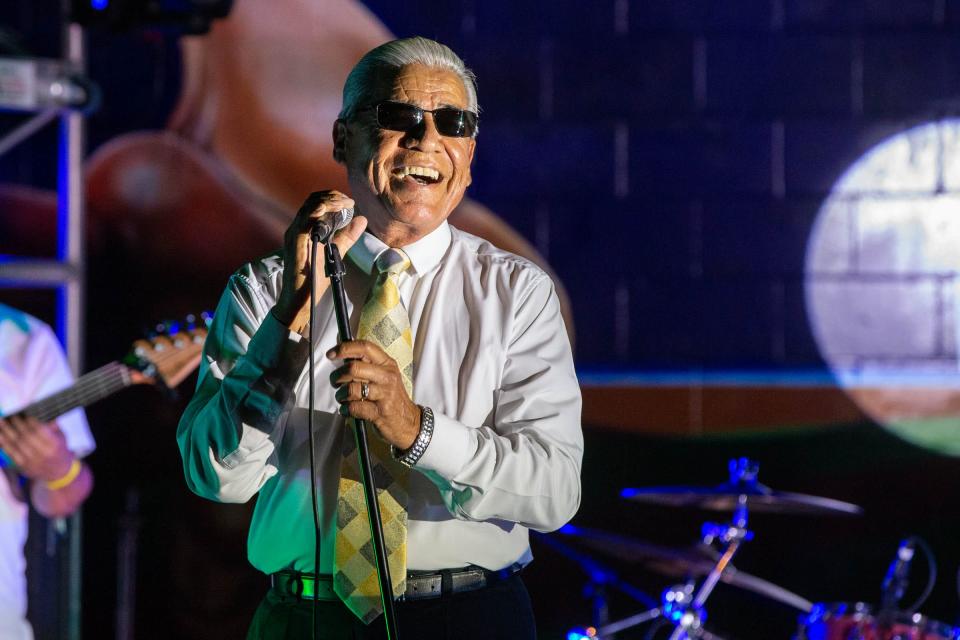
{"x": 383, "y": 321}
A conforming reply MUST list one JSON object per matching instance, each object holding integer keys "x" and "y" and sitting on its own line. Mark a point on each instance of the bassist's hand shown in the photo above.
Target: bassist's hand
{"x": 38, "y": 449}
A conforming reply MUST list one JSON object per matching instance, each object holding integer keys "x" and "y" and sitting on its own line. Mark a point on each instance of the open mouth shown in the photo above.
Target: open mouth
{"x": 420, "y": 175}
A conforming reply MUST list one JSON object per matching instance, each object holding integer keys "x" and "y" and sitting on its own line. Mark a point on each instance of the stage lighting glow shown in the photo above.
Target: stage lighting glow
{"x": 99, "y": 5}
{"x": 882, "y": 283}
{"x": 582, "y": 633}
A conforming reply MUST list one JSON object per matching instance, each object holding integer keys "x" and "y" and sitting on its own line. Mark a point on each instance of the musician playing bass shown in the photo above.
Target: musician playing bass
{"x": 42, "y": 461}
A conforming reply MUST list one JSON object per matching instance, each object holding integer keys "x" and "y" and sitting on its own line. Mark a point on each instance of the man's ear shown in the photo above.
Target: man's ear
{"x": 340, "y": 134}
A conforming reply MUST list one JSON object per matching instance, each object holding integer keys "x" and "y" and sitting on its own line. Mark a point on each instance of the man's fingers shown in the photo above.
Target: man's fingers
{"x": 353, "y": 391}
{"x": 319, "y": 199}
{"x": 8, "y": 436}
{"x": 360, "y": 371}
{"x": 360, "y": 350}
{"x": 348, "y": 236}
{"x": 317, "y": 205}
{"x": 369, "y": 411}
{"x": 11, "y": 442}
{"x": 320, "y": 203}
{"x": 27, "y": 437}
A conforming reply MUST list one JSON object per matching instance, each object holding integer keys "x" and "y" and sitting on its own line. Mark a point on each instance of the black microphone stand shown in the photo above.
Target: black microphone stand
{"x": 334, "y": 269}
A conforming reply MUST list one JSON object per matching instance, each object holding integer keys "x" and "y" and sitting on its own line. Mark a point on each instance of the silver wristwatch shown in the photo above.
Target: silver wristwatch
{"x": 410, "y": 456}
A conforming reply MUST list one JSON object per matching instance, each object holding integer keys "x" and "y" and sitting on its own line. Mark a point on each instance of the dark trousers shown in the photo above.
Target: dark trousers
{"x": 501, "y": 610}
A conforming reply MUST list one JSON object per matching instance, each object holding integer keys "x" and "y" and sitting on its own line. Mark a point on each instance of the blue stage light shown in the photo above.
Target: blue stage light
{"x": 99, "y": 5}
{"x": 582, "y": 633}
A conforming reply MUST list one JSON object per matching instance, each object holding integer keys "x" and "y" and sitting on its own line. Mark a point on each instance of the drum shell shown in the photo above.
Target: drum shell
{"x": 858, "y": 621}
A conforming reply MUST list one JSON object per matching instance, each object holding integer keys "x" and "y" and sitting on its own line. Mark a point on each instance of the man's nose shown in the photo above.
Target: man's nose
{"x": 425, "y": 135}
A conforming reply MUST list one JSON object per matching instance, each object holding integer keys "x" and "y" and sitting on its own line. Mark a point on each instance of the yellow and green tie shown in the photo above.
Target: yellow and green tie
{"x": 383, "y": 321}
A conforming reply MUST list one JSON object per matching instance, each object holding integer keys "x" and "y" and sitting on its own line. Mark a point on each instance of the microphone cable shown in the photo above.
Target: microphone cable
{"x": 315, "y": 243}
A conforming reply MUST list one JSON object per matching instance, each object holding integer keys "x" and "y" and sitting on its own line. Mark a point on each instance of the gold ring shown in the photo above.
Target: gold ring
{"x": 364, "y": 391}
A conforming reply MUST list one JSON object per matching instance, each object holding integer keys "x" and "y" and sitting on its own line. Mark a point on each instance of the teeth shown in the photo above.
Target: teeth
{"x": 425, "y": 172}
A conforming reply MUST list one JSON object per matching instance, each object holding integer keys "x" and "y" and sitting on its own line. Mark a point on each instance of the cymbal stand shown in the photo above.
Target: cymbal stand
{"x": 683, "y": 605}
{"x": 601, "y": 577}
{"x": 732, "y": 535}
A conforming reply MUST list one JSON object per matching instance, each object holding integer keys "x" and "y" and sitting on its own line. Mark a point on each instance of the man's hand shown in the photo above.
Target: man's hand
{"x": 387, "y": 405}
{"x": 293, "y": 307}
{"x": 38, "y": 449}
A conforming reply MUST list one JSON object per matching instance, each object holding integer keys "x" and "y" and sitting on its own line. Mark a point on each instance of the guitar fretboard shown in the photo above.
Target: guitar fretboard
{"x": 90, "y": 387}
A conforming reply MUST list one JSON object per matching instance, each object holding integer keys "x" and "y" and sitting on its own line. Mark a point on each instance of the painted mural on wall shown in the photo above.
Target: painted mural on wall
{"x": 882, "y": 283}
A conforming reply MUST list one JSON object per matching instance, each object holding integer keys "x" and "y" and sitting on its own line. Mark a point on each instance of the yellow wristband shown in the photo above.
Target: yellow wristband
{"x": 66, "y": 478}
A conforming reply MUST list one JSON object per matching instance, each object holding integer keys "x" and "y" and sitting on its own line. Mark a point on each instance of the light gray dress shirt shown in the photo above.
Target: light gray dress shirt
{"x": 491, "y": 358}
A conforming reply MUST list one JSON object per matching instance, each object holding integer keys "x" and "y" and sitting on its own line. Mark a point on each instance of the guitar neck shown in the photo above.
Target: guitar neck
{"x": 89, "y": 388}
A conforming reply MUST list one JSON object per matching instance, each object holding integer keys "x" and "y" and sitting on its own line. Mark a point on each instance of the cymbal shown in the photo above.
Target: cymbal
{"x": 726, "y": 497}
{"x": 680, "y": 562}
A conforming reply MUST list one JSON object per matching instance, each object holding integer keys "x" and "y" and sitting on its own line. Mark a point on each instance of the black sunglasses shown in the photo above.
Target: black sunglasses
{"x": 400, "y": 116}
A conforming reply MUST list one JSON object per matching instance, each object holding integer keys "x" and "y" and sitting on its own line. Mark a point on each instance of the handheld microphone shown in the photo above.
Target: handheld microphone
{"x": 895, "y": 582}
{"x": 323, "y": 230}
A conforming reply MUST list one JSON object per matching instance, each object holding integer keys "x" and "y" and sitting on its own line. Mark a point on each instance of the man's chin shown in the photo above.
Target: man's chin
{"x": 418, "y": 213}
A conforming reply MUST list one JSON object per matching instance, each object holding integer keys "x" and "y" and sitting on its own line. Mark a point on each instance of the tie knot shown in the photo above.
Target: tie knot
{"x": 393, "y": 261}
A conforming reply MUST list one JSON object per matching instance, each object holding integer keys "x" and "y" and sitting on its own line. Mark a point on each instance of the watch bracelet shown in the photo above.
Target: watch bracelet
{"x": 411, "y": 456}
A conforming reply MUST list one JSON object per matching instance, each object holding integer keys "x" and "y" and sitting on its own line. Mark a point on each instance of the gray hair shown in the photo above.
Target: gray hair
{"x": 387, "y": 59}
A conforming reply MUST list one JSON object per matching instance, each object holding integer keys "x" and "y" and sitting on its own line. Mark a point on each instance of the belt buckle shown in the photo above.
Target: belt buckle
{"x": 431, "y": 587}
{"x": 298, "y": 586}
{"x": 469, "y": 580}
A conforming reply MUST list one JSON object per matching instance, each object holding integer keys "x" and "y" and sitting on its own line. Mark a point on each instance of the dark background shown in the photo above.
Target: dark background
{"x": 669, "y": 158}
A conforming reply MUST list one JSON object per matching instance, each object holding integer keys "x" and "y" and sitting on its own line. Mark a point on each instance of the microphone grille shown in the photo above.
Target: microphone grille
{"x": 344, "y": 216}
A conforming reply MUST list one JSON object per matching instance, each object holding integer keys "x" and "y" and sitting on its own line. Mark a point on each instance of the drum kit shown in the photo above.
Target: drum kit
{"x": 681, "y": 611}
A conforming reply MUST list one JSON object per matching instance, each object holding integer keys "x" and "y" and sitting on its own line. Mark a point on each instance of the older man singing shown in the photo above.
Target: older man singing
{"x": 462, "y": 366}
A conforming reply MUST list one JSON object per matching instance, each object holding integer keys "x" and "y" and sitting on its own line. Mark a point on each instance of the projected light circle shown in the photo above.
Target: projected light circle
{"x": 882, "y": 283}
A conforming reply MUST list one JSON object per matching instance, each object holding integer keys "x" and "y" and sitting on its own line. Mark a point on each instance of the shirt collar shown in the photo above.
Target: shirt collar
{"x": 424, "y": 254}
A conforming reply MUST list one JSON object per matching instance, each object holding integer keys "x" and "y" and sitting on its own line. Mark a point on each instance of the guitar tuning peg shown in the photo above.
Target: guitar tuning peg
{"x": 160, "y": 329}
{"x": 190, "y": 321}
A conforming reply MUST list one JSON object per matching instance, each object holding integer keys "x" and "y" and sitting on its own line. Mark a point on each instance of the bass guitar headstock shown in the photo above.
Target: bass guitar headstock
{"x": 170, "y": 354}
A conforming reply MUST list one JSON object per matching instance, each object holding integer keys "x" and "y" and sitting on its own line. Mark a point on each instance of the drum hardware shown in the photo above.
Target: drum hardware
{"x": 679, "y": 562}
{"x": 601, "y": 578}
{"x": 684, "y": 606}
{"x": 860, "y": 621}
{"x": 742, "y": 485}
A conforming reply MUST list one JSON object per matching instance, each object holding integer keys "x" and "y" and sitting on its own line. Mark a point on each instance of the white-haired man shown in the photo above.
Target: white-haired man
{"x": 462, "y": 366}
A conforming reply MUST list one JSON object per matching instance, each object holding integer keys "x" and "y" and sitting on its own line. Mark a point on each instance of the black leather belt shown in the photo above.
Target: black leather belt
{"x": 420, "y": 584}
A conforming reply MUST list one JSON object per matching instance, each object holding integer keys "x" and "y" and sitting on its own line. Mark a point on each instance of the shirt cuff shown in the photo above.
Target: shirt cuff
{"x": 451, "y": 447}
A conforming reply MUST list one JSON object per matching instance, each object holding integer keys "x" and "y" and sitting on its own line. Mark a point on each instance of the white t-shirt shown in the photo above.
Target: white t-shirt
{"x": 32, "y": 367}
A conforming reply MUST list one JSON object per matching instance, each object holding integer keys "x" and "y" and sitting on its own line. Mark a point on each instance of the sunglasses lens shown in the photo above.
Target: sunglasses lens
{"x": 455, "y": 123}
{"x": 398, "y": 116}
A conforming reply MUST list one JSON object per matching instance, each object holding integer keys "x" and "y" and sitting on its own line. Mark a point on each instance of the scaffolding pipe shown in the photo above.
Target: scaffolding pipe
{"x": 70, "y": 312}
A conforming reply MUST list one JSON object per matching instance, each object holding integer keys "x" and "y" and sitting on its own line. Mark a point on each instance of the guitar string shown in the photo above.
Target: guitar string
{"x": 112, "y": 368}
{"x": 97, "y": 384}
{"x": 84, "y": 385}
